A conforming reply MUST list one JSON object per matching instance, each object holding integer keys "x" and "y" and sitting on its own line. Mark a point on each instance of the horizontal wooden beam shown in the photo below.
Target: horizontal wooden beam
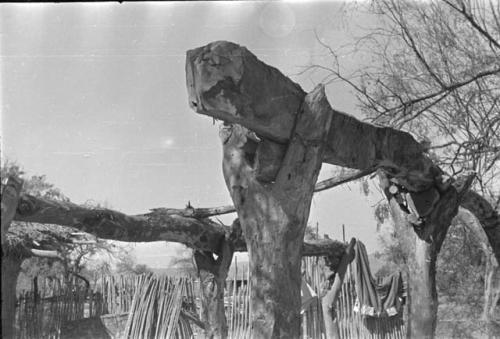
{"x": 227, "y": 82}
{"x": 113, "y": 225}
{"x": 200, "y": 234}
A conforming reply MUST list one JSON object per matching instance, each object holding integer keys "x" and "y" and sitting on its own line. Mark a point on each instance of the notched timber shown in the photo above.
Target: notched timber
{"x": 228, "y": 82}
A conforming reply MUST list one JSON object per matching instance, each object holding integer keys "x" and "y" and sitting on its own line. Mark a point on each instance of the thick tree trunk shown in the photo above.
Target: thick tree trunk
{"x": 273, "y": 213}
{"x": 11, "y": 266}
{"x": 213, "y": 273}
{"x": 492, "y": 269}
{"x": 275, "y": 281}
{"x": 423, "y": 297}
{"x": 329, "y": 301}
{"x": 423, "y": 301}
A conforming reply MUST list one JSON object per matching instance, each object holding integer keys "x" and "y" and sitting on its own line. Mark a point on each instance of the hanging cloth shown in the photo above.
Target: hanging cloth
{"x": 375, "y": 300}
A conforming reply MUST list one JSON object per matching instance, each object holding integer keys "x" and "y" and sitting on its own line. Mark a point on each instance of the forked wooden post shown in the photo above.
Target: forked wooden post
{"x": 273, "y": 213}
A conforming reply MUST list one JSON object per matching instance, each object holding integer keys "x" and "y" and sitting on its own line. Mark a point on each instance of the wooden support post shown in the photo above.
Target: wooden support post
{"x": 422, "y": 253}
{"x": 273, "y": 214}
{"x": 328, "y": 302}
{"x": 213, "y": 273}
{"x": 10, "y": 199}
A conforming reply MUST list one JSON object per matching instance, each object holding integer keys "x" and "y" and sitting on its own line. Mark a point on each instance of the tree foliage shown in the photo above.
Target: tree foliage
{"x": 35, "y": 185}
{"x": 74, "y": 248}
{"x": 127, "y": 264}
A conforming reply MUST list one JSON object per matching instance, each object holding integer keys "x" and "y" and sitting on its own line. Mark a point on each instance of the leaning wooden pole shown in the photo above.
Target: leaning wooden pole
{"x": 329, "y": 301}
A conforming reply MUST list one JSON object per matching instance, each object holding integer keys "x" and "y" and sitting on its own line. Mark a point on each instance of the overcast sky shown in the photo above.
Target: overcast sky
{"x": 94, "y": 96}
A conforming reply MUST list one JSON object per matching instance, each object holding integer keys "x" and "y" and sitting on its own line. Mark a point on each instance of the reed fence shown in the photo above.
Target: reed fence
{"x": 40, "y": 313}
{"x": 352, "y": 325}
{"x": 152, "y": 302}
{"x": 117, "y": 292}
{"x": 158, "y": 307}
{"x": 313, "y": 326}
{"x": 237, "y": 301}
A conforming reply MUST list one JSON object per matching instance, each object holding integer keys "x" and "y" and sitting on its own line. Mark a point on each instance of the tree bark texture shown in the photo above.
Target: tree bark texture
{"x": 213, "y": 273}
{"x": 423, "y": 299}
{"x": 11, "y": 266}
{"x": 329, "y": 301}
{"x": 273, "y": 214}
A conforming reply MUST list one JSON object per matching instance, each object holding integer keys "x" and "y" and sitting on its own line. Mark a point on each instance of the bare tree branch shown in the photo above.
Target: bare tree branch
{"x": 470, "y": 18}
{"x": 334, "y": 182}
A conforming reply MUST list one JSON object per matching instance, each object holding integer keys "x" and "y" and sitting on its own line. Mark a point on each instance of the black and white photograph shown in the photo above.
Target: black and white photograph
{"x": 323, "y": 169}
